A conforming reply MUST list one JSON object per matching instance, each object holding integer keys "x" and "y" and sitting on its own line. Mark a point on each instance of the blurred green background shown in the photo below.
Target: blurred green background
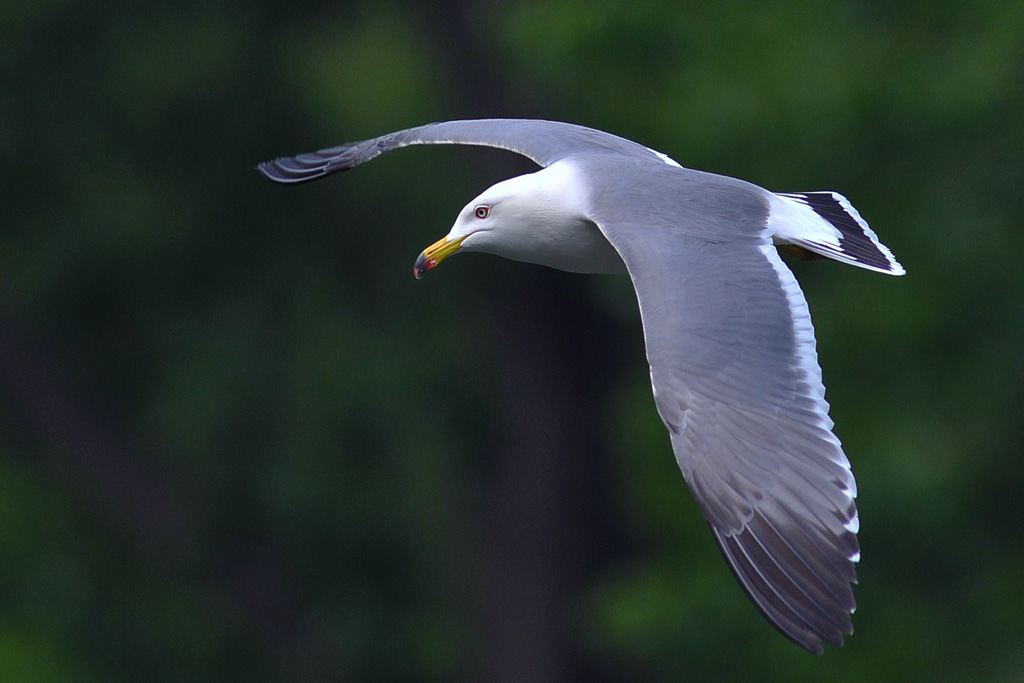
{"x": 238, "y": 441}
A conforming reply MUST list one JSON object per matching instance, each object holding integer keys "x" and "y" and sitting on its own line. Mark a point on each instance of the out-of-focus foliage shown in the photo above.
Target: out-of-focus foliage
{"x": 240, "y": 442}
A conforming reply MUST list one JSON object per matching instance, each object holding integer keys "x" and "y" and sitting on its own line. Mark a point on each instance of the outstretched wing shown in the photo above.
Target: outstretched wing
{"x": 544, "y": 142}
{"x": 737, "y": 382}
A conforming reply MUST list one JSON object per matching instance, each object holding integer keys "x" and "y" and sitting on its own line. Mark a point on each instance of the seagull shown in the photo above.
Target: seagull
{"x": 728, "y": 335}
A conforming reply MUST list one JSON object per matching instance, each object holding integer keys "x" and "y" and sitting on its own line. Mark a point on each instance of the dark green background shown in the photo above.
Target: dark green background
{"x": 238, "y": 441}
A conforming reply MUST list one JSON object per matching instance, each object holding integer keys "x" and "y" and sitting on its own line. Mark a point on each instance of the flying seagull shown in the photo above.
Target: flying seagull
{"x": 728, "y": 334}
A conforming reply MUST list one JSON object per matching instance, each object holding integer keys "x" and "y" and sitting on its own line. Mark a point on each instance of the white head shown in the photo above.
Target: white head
{"x": 537, "y": 218}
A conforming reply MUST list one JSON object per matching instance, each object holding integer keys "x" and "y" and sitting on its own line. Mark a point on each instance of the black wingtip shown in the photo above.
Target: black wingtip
{"x": 857, "y": 243}
{"x": 292, "y": 169}
{"x": 799, "y": 591}
{"x": 313, "y": 165}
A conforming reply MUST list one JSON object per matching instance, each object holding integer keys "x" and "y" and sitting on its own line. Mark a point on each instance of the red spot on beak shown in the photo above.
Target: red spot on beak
{"x": 422, "y": 265}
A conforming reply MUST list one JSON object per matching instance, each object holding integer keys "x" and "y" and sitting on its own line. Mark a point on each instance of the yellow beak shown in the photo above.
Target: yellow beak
{"x": 434, "y": 254}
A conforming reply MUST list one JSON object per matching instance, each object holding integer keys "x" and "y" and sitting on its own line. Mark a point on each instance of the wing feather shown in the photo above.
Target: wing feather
{"x": 543, "y": 142}
{"x": 736, "y": 380}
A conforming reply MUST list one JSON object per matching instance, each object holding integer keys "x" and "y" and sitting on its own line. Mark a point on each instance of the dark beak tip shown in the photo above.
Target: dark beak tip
{"x": 422, "y": 265}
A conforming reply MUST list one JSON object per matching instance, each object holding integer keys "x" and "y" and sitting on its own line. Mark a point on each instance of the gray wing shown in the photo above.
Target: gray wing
{"x": 737, "y": 382}
{"x": 544, "y": 142}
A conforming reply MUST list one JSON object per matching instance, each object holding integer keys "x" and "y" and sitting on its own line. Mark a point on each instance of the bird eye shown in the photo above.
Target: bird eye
{"x": 482, "y": 211}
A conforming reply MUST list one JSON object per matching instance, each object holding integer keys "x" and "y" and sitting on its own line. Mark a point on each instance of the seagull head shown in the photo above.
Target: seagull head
{"x": 501, "y": 220}
{"x": 537, "y": 218}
